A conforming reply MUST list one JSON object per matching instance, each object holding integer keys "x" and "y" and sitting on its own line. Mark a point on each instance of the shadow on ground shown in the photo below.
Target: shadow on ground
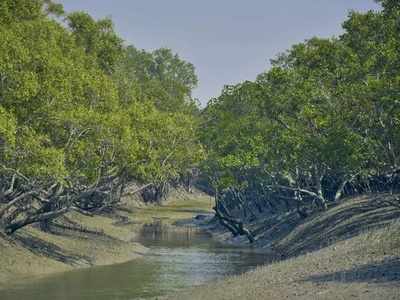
{"x": 50, "y": 250}
{"x": 384, "y": 272}
{"x": 292, "y": 236}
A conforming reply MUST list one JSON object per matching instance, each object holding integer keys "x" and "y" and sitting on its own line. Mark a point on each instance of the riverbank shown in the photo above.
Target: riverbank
{"x": 78, "y": 241}
{"x": 88, "y": 242}
{"x": 350, "y": 251}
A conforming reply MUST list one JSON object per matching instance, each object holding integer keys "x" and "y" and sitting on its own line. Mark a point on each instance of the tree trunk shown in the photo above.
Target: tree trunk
{"x": 15, "y": 201}
{"x": 318, "y": 184}
{"x": 11, "y": 228}
{"x": 236, "y": 227}
{"x": 340, "y": 190}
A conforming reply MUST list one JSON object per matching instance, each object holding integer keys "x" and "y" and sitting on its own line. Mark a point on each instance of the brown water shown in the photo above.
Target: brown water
{"x": 178, "y": 259}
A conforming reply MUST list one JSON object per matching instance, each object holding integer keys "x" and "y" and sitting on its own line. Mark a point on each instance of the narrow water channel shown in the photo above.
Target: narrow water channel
{"x": 178, "y": 259}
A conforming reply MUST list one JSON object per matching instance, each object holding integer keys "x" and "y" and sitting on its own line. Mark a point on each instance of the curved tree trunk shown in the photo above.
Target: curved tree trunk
{"x": 236, "y": 227}
{"x": 11, "y": 228}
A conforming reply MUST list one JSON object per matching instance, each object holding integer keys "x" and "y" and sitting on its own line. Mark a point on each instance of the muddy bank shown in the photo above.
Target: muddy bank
{"x": 290, "y": 235}
{"x": 72, "y": 242}
{"x": 366, "y": 266}
{"x": 178, "y": 258}
{"x": 78, "y": 241}
{"x": 350, "y": 251}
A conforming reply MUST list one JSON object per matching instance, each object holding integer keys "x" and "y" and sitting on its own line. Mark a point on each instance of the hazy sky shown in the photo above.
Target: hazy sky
{"x": 228, "y": 41}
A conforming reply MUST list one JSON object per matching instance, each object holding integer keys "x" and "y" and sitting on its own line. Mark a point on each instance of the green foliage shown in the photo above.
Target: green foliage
{"x": 97, "y": 38}
{"x": 7, "y": 134}
{"x": 159, "y": 77}
{"x": 167, "y": 144}
{"x": 326, "y": 112}
{"x": 78, "y": 106}
{"x": 36, "y": 158}
{"x": 20, "y": 10}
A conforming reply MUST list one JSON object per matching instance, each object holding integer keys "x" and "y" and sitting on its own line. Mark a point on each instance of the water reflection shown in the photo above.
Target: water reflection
{"x": 179, "y": 258}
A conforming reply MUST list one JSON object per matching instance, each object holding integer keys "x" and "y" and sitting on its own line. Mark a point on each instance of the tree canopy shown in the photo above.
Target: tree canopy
{"x": 324, "y": 120}
{"x": 81, "y": 114}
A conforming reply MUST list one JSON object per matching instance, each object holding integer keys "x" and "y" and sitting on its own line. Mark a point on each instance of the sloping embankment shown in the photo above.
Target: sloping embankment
{"x": 75, "y": 241}
{"x": 78, "y": 241}
{"x": 350, "y": 251}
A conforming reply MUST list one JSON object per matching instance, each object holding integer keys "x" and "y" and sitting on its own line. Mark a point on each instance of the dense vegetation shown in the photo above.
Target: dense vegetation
{"x": 82, "y": 114}
{"x": 324, "y": 121}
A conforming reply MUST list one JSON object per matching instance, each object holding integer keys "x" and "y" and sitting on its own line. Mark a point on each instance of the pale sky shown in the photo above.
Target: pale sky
{"x": 228, "y": 41}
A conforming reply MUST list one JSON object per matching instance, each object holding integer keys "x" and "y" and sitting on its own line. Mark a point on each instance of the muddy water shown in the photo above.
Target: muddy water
{"x": 178, "y": 259}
